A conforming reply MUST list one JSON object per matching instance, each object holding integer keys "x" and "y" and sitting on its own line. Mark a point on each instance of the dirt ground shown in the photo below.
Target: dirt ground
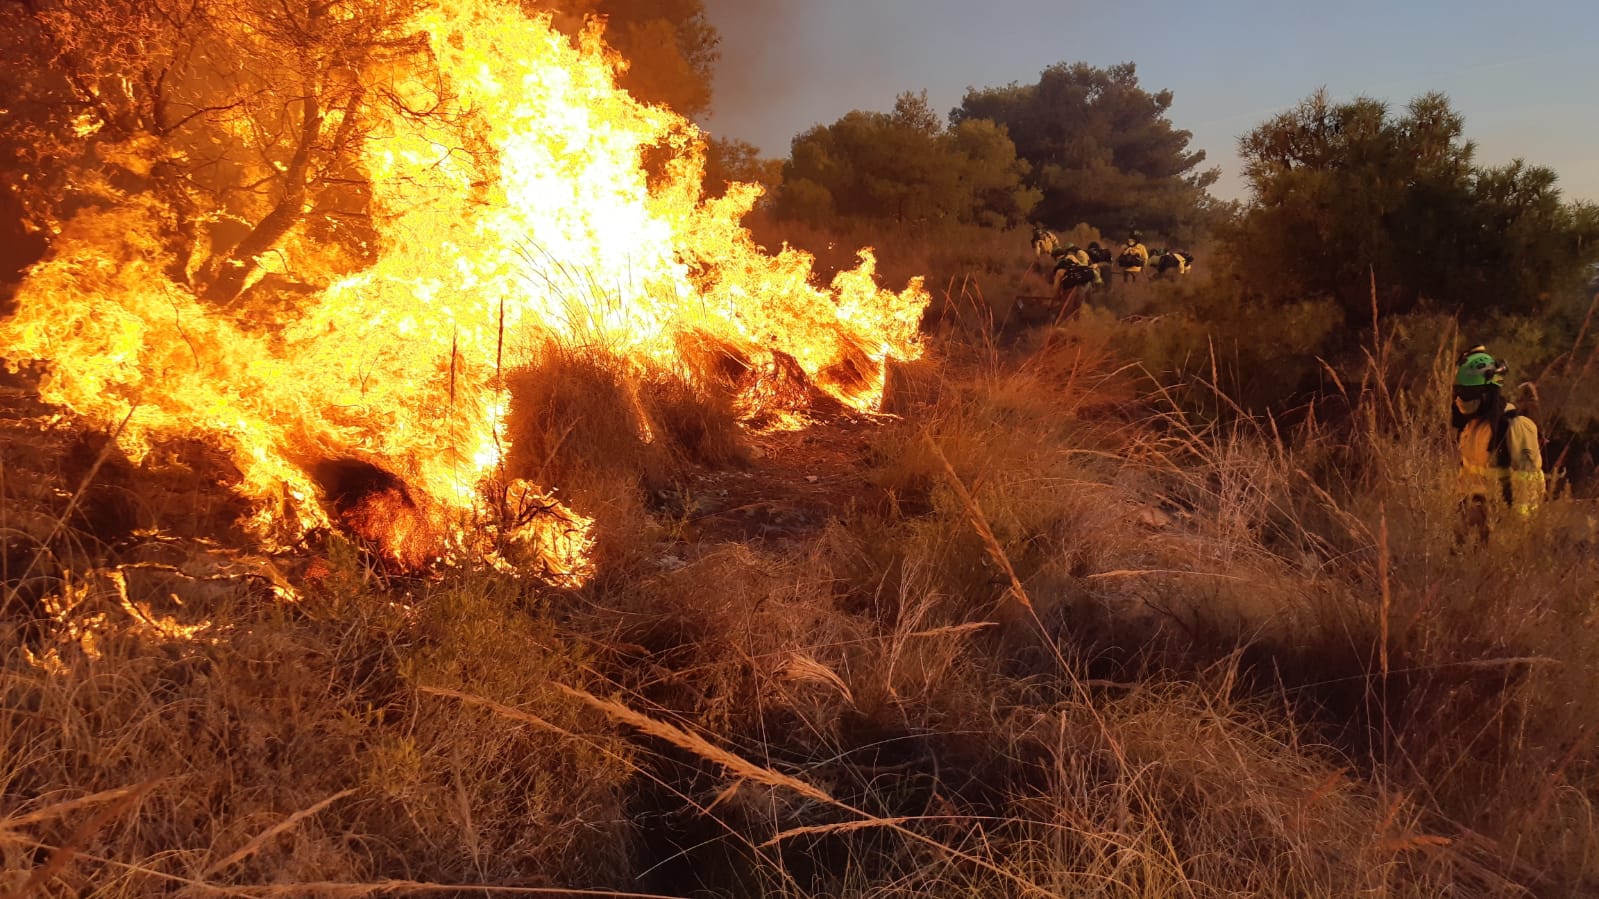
{"x": 796, "y": 481}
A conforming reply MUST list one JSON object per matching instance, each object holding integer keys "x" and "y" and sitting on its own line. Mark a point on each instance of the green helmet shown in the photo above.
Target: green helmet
{"x": 1071, "y": 248}
{"x": 1478, "y": 369}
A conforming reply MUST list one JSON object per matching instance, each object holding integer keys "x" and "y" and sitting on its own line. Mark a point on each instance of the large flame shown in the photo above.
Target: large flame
{"x": 552, "y": 230}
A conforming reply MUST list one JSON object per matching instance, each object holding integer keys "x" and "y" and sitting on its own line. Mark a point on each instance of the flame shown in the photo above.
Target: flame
{"x": 545, "y": 226}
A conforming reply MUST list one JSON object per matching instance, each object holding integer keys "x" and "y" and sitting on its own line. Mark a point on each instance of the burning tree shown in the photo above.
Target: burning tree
{"x": 670, "y": 45}
{"x": 455, "y": 186}
{"x": 243, "y": 119}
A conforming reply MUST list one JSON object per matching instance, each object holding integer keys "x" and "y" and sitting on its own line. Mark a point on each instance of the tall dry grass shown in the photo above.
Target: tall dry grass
{"x": 1445, "y": 675}
{"x": 1076, "y": 640}
{"x": 280, "y": 742}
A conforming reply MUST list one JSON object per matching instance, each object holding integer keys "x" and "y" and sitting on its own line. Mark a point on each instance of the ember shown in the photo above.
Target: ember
{"x": 375, "y": 506}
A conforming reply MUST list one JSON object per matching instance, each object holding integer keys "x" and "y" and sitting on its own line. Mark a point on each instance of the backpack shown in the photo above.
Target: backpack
{"x": 1099, "y": 254}
{"x": 1499, "y": 448}
{"x": 1076, "y": 275}
{"x": 1129, "y": 259}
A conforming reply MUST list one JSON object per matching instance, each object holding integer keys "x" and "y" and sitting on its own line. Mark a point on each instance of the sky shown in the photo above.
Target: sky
{"x": 1524, "y": 74}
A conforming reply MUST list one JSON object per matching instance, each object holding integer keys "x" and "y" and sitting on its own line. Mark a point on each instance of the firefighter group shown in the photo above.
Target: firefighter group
{"x": 1501, "y": 463}
{"x": 1096, "y": 265}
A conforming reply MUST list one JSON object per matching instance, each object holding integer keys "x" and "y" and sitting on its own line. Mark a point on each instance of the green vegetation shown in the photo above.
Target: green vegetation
{"x": 1347, "y": 193}
{"x": 1363, "y": 223}
{"x": 1083, "y": 144}
{"x": 1101, "y": 148}
{"x": 905, "y": 168}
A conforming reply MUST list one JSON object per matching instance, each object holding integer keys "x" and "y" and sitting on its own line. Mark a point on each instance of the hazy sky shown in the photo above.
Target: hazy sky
{"x": 1524, "y": 74}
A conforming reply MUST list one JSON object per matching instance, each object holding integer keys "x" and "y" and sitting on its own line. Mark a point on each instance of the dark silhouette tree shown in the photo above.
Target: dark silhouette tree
{"x": 670, "y": 46}
{"x": 905, "y": 167}
{"x": 728, "y": 160}
{"x": 1100, "y": 147}
{"x": 1347, "y": 191}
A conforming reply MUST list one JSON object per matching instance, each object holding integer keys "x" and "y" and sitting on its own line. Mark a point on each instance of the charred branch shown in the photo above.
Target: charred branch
{"x": 230, "y": 273}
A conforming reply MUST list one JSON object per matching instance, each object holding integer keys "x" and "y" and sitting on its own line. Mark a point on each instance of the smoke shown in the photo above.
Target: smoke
{"x": 19, "y": 247}
{"x": 754, "y": 76}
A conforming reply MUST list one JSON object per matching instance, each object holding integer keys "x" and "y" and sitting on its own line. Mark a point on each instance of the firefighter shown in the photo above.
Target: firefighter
{"x": 1170, "y": 262}
{"x": 1044, "y": 242}
{"x": 1085, "y": 260}
{"x": 1501, "y": 464}
{"x": 1072, "y": 268}
{"x": 1134, "y": 256}
{"x": 1099, "y": 256}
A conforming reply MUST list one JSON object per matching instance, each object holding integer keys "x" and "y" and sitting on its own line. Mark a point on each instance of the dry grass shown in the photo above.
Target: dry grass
{"x": 288, "y": 743}
{"x": 582, "y": 418}
{"x": 1083, "y": 643}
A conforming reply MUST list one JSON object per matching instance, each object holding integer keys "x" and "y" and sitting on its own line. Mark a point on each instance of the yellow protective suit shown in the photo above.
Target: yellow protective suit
{"x": 1512, "y": 474}
{"x": 1137, "y": 249}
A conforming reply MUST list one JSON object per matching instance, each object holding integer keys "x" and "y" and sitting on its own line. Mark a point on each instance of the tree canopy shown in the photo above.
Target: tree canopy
{"x": 243, "y": 119}
{"x": 670, "y": 46}
{"x": 905, "y": 166}
{"x": 1100, "y": 148}
{"x": 728, "y": 160}
{"x": 241, "y": 116}
{"x": 1345, "y": 193}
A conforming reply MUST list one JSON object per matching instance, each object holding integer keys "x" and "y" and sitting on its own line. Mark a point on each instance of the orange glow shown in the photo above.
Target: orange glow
{"x": 550, "y": 230}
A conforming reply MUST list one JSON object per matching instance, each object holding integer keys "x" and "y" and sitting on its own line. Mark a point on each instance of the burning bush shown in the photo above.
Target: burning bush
{"x": 501, "y": 207}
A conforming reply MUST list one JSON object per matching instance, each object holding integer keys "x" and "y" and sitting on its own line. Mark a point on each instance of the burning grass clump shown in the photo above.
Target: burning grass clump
{"x": 575, "y": 417}
{"x": 699, "y": 425}
{"x": 1069, "y": 654}
{"x": 769, "y": 390}
{"x": 614, "y": 442}
{"x": 377, "y": 508}
{"x": 580, "y": 421}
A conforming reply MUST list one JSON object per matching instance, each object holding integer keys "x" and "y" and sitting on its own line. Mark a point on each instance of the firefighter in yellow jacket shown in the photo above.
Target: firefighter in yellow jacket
{"x": 1133, "y": 257}
{"x": 1044, "y": 242}
{"x": 1500, "y": 460}
{"x": 1073, "y": 268}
